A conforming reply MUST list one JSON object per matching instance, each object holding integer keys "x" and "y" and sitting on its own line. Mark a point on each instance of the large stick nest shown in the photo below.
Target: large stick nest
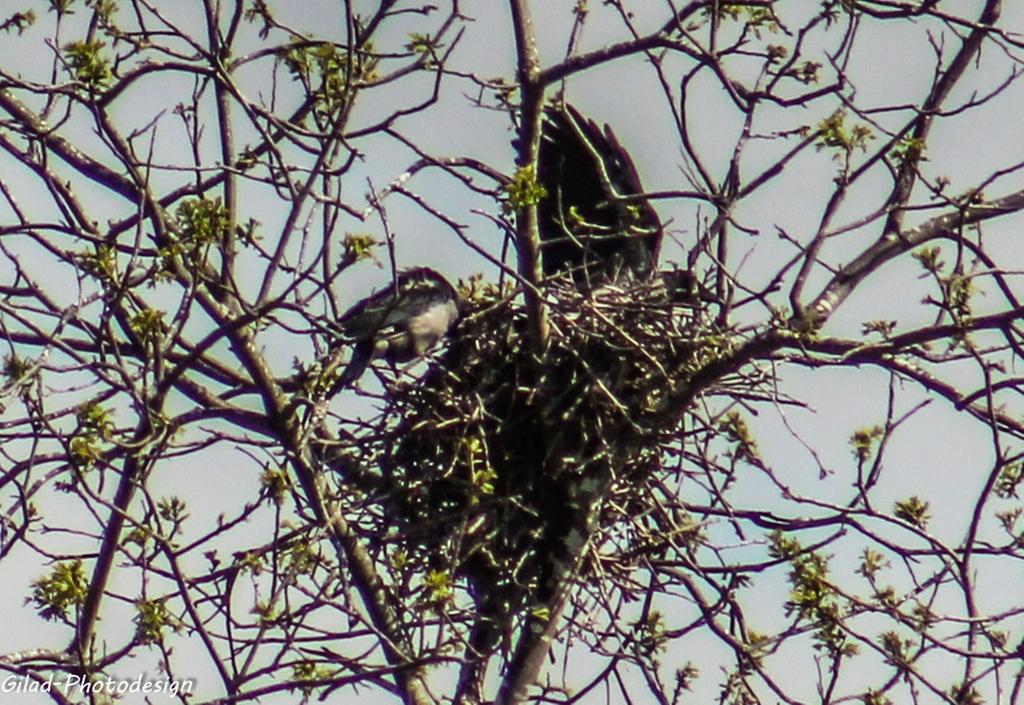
{"x": 496, "y": 461}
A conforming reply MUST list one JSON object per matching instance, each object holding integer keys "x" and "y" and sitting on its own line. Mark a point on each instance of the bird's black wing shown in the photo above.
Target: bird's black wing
{"x": 362, "y": 354}
{"x": 585, "y": 225}
{"x": 412, "y": 291}
{"x": 371, "y": 315}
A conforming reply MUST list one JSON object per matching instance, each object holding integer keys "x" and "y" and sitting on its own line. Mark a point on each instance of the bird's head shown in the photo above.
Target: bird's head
{"x": 680, "y": 285}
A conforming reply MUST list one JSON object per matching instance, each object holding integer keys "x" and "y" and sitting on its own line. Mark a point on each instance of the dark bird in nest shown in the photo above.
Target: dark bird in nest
{"x": 594, "y": 222}
{"x": 400, "y": 323}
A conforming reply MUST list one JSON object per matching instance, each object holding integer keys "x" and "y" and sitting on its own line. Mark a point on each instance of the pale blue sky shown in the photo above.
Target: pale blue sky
{"x": 936, "y": 454}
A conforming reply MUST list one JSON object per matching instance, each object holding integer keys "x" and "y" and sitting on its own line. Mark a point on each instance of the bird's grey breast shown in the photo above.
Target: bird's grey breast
{"x": 404, "y": 322}
{"x": 426, "y": 329}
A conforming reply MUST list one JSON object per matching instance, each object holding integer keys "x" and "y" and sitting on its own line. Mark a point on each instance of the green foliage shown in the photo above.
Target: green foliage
{"x": 736, "y": 691}
{"x": 756, "y": 18}
{"x": 649, "y": 634}
{"x": 957, "y": 291}
{"x": 140, "y": 536}
{"x": 929, "y": 257}
{"x": 1008, "y": 520}
{"x": 873, "y": 697}
{"x": 1008, "y": 482}
{"x": 965, "y": 694}
{"x": 713, "y": 347}
{"x": 95, "y": 419}
{"x": 834, "y": 133}
{"x": 400, "y": 559}
{"x": 85, "y": 450}
{"x": 303, "y": 557}
{"x": 202, "y": 221}
{"x": 812, "y": 596}
{"x": 357, "y": 247}
{"x": 897, "y": 650}
{"x": 61, "y": 7}
{"x": 913, "y": 511}
{"x": 19, "y": 372}
{"x": 151, "y": 618}
{"x": 15, "y": 368}
{"x": 94, "y": 427}
{"x": 104, "y": 11}
{"x": 998, "y": 638}
{"x": 63, "y": 589}
{"x": 863, "y": 441}
{"x": 268, "y": 612}
{"x": 438, "y": 586}
{"x": 258, "y": 10}
{"x": 328, "y": 72}
{"x": 306, "y": 672}
{"x": 276, "y": 483}
{"x": 252, "y": 562}
{"x": 757, "y": 645}
{"x": 922, "y": 618}
{"x": 871, "y": 563}
{"x": 686, "y": 675}
{"x": 148, "y": 325}
{"x": 736, "y": 431}
{"x": 635, "y": 212}
{"x": 172, "y": 509}
{"x": 886, "y": 597}
{"x": 806, "y": 72}
{"x": 776, "y": 53}
{"x": 87, "y": 64}
{"x": 540, "y": 612}
{"x": 100, "y": 263}
{"x": 523, "y": 190}
{"x": 423, "y": 44}
{"x": 315, "y": 381}
{"x": 482, "y": 475}
{"x": 906, "y": 150}
{"x": 18, "y": 22}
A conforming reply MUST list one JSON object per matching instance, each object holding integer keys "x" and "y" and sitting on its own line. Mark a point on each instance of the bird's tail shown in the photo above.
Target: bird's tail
{"x": 361, "y": 356}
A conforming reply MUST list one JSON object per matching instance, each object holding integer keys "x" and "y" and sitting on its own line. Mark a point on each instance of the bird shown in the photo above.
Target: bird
{"x": 591, "y": 223}
{"x": 400, "y": 323}
{"x": 681, "y": 287}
